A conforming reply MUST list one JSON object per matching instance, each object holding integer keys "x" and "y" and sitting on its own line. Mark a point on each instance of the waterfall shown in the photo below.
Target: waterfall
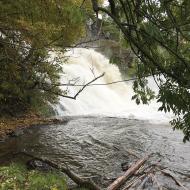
{"x": 82, "y": 66}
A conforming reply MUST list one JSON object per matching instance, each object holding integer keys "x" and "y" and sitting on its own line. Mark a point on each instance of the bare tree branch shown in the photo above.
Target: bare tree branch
{"x": 88, "y": 85}
{"x": 75, "y": 96}
{"x": 100, "y": 84}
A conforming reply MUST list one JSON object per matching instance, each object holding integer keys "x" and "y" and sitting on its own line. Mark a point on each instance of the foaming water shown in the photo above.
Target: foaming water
{"x": 84, "y": 65}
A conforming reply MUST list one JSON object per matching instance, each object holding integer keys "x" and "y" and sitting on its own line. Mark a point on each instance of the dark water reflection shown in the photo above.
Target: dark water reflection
{"x": 96, "y": 146}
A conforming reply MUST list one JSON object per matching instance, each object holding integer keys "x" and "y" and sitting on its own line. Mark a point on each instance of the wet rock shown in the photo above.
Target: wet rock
{"x": 2, "y": 140}
{"x": 125, "y": 166}
{"x": 16, "y": 133}
{"x": 38, "y": 165}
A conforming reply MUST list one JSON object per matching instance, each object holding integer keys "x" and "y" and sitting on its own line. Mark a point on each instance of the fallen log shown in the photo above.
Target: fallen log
{"x": 82, "y": 182}
{"x": 122, "y": 179}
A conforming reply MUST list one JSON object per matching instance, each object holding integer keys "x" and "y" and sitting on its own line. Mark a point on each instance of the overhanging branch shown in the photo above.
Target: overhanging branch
{"x": 75, "y": 96}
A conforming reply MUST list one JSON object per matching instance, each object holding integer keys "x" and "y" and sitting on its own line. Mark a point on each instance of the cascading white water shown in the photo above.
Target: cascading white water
{"x": 110, "y": 100}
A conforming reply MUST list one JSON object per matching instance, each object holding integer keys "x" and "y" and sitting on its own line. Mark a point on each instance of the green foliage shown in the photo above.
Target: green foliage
{"x": 115, "y": 60}
{"x": 18, "y": 177}
{"x": 42, "y": 22}
{"x": 142, "y": 91}
{"x": 28, "y": 29}
{"x": 158, "y": 33}
{"x": 23, "y": 79}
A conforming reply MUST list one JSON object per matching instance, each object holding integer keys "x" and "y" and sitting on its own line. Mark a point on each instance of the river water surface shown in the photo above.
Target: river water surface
{"x": 97, "y": 146}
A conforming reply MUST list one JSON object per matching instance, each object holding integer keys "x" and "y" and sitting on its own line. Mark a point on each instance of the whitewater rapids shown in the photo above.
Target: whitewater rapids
{"x": 82, "y": 66}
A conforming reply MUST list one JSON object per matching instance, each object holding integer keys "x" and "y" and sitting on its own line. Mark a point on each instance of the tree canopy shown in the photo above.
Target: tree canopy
{"x": 158, "y": 32}
{"x": 28, "y": 29}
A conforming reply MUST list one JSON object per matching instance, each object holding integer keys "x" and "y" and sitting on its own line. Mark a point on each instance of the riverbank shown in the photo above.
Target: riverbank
{"x": 14, "y": 126}
{"x": 17, "y": 176}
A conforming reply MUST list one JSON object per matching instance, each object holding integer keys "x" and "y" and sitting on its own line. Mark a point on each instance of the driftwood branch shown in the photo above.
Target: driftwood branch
{"x": 176, "y": 180}
{"x": 134, "y": 181}
{"x": 155, "y": 179}
{"x": 121, "y": 180}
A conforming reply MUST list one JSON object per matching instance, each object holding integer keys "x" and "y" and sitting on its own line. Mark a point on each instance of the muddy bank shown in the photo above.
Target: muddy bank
{"x": 11, "y": 127}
